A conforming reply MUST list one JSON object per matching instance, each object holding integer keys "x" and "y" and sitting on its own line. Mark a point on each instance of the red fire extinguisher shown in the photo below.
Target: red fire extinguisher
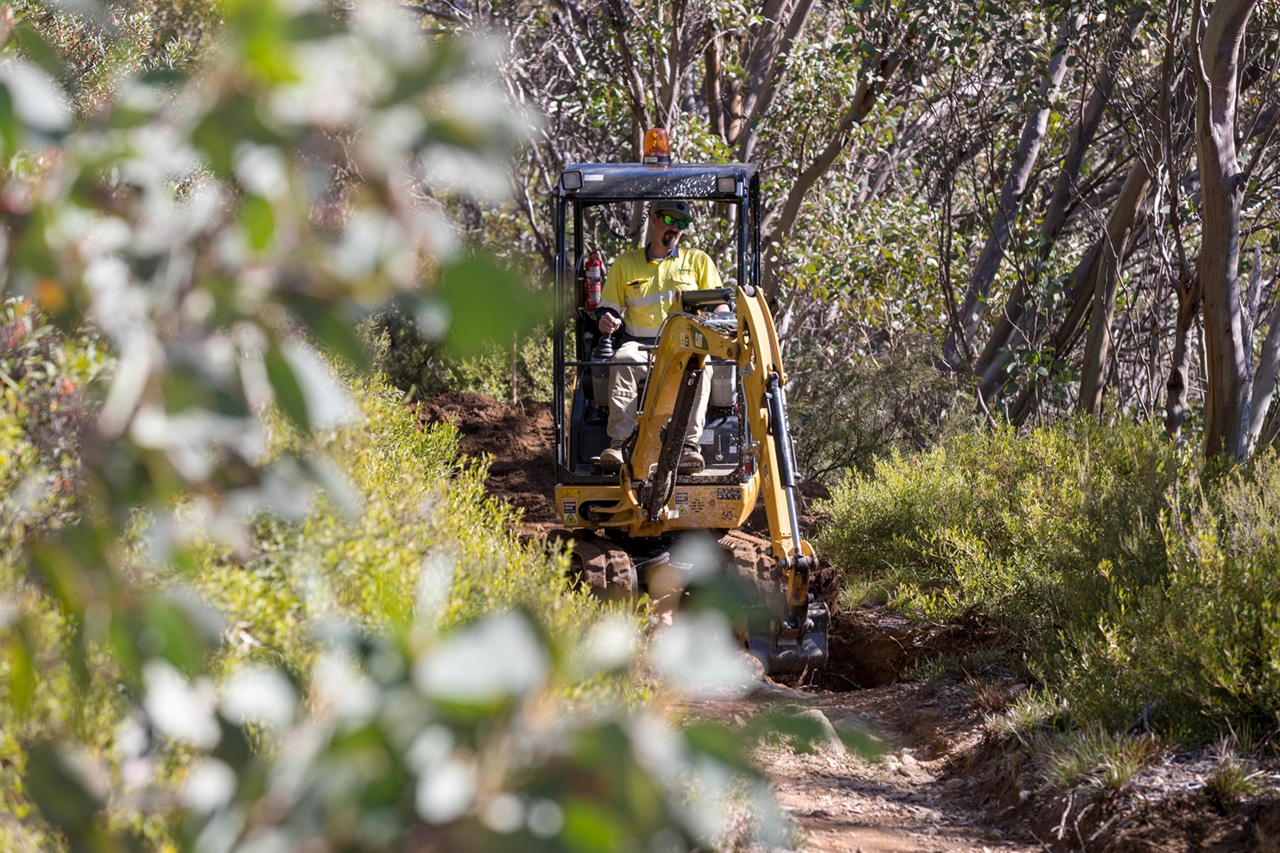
{"x": 594, "y": 270}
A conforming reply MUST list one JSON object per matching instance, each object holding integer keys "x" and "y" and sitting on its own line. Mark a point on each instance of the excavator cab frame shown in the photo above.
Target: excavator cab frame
{"x": 623, "y": 523}
{"x": 735, "y": 191}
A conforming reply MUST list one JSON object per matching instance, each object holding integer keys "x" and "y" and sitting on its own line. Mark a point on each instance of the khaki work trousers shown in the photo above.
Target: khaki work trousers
{"x": 628, "y": 370}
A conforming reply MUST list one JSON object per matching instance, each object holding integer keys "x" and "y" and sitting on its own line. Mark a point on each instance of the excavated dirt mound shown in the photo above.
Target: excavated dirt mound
{"x": 519, "y": 439}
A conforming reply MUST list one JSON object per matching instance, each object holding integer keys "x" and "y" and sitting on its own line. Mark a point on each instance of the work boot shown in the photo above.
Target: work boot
{"x": 611, "y": 458}
{"x": 690, "y": 459}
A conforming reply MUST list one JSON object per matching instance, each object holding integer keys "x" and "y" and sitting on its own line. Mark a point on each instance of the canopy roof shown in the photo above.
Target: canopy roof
{"x": 624, "y": 181}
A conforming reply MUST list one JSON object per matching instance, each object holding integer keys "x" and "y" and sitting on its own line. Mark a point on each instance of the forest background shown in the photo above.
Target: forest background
{"x": 1058, "y": 217}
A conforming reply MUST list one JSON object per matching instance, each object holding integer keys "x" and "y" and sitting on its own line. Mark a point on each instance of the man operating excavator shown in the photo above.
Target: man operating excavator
{"x": 637, "y": 295}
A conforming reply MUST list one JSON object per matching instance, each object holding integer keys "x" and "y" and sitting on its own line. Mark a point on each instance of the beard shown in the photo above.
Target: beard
{"x": 669, "y": 237}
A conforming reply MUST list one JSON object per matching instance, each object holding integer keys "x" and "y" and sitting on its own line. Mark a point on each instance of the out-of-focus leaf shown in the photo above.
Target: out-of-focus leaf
{"x": 802, "y": 730}
{"x": 232, "y": 122}
{"x": 589, "y": 826}
{"x": 259, "y": 694}
{"x": 498, "y": 658}
{"x": 39, "y": 51}
{"x": 39, "y": 103}
{"x": 330, "y": 325}
{"x": 22, "y": 671}
{"x": 487, "y": 303}
{"x": 329, "y": 406}
{"x": 170, "y": 632}
{"x": 8, "y": 124}
{"x": 61, "y": 793}
{"x": 335, "y": 484}
{"x": 309, "y": 25}
{"x": 181, "y": 709}
{"x": 61, "y": 563}
{"x": 721, "y": 743}
{"x": 259, "y": 221}
{"x": 698, "y": 656}
{"x": 288, "y": 391}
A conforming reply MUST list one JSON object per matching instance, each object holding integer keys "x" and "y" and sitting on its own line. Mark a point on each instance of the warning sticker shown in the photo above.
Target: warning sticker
{"x": 570, "y": 518}
{"x": 682, "y": 496}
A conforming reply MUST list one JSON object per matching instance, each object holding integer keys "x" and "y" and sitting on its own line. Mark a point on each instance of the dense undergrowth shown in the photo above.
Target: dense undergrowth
{"x": 1141, "y": 585}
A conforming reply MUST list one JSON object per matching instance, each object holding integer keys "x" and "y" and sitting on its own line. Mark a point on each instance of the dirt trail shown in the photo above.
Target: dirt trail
{"x": 945, "y": 781}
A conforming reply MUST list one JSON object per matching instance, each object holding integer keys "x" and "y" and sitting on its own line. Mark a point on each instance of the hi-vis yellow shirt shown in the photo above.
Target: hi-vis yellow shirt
{"x": 641, "y": 291}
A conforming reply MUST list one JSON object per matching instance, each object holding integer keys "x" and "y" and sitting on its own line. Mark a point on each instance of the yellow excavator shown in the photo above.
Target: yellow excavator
{"x": 626, "y": 526}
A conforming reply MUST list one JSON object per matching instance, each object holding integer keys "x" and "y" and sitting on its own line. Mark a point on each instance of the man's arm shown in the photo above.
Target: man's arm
{"x": 609, "y": 314}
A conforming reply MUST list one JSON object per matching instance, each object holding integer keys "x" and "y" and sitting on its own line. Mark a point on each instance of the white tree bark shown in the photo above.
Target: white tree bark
{"x": 1217, "y": 50}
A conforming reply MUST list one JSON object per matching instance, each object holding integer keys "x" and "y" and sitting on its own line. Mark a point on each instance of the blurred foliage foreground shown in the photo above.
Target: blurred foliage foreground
{"x": 245, "y": 605}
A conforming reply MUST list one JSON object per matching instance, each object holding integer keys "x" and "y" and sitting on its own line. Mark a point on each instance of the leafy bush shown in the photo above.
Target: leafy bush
{"x": 1017, "y": 525}
{"x": 1144, "y": 591}
{"x": 422, "y": 366}
{"x": 1205, "y": 643}
{"x": 888, "y": 391}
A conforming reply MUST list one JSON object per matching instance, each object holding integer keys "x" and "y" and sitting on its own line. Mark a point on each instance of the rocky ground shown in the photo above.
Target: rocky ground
{"x": 945, "y": 780}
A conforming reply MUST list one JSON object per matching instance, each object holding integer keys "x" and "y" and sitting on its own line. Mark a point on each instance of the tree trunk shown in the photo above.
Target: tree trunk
{"x": 1087, "y": 275}
{"x": 1264, "y": 386}
{"x": 1179, "y": 372}
{"x": 1098, "y": 343}
{"x": 1015, "y": 183}
{"x": 1222, "y": 192}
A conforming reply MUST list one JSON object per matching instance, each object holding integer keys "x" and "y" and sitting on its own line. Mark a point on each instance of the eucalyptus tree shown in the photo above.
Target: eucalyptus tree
{"x": 1218, "y": 39}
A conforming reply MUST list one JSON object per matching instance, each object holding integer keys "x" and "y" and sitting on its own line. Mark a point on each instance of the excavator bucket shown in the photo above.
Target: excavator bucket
{"x": 805, "y": 653}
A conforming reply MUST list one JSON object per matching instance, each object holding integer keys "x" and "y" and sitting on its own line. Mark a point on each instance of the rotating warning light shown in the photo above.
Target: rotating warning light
{"x": 657, "y": 147}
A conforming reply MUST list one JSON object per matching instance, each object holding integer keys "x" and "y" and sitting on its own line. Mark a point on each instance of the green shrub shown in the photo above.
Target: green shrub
{"x": 421, "y": 366}
{"x": 1205, "y": 643}
{"x": 1143, "y": 592}
{"x": 1015, "y": 525}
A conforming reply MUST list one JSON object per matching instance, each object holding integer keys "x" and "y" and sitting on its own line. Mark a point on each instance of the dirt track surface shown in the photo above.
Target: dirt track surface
{"x": 945, "y": 782}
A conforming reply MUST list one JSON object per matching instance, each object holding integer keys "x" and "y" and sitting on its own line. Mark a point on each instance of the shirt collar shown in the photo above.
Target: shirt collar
{"x": 674, "y": 253}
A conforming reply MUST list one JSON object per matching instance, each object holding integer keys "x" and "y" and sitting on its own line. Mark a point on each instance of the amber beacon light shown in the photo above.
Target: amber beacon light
{"x": 657, "y": 147}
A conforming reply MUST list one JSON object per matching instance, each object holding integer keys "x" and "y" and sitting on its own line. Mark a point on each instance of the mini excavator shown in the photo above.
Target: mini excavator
{"x": 625, "y": 526}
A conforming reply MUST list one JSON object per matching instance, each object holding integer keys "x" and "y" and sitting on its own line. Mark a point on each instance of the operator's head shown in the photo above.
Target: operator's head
{"x": 669, "y": 218}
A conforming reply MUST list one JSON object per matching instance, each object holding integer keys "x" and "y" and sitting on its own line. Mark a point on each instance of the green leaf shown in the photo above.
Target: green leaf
{"x": 721, "y": 743}
{"x": 487, "y": 303}
{"x": 22, "y": 671}
{"x": 170, "y": 632}
{"x": 259, "y": 221}
{"x": 35, "y": 49}
{"x": 284, "y": 382}
{"x": 8, "y": 124}
{"x": 327, "y": 322}
{"x": 589, "y": 827}
{"x": 60, "y": 792}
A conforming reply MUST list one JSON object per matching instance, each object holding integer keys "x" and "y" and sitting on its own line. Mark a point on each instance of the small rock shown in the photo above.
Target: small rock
{"x": 829, "y": 741}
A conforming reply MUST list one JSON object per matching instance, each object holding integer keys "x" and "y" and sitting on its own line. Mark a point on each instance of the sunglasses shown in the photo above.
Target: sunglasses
{"x": 675, "y": 221}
